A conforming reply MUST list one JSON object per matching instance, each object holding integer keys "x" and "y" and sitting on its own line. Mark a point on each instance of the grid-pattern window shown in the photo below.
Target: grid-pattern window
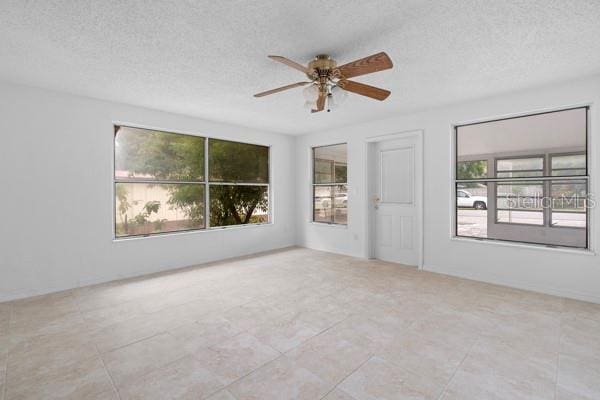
{"x": 330, "y": 186}
{"x": 524, "y": 179}
{"x": 164, "y": 182}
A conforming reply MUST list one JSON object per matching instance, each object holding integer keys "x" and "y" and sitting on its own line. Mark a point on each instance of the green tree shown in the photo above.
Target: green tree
{"x": 471, "y": 169}
{"x": 165, "y": 156}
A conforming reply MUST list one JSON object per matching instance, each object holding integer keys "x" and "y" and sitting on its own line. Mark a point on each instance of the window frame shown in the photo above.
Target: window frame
{"x": 206, "y": 183}
{"x": 313, "y": 185}
{"x": 546, "y": 180}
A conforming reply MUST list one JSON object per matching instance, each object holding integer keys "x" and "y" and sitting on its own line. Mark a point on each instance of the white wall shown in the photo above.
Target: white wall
{"x": 56, "y": 200}
{"x": 570, "y": 274}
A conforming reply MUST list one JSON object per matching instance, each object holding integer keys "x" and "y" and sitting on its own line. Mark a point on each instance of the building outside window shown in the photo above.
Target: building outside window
{"x": 524, "y": 179}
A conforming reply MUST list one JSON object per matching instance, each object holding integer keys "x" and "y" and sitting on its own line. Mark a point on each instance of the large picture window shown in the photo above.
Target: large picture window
{"x": 164, "y": 182}
{"x": 524, "y": 179}
{"x": 330, "y": 186}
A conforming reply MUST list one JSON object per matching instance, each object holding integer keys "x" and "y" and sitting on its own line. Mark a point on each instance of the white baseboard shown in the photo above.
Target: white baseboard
{"x": 94, "y": 280}
{"x": 514, "y": 284}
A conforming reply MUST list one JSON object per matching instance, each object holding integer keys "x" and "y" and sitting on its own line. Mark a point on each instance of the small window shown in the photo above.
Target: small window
{"x": 519, "y": 167}
{"x": 536, "y": 188}
{"x": 568, "y": 165}
{"x": 330, "y": 186}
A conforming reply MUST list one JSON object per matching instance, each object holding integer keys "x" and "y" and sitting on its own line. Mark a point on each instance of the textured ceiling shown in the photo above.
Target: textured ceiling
{"x": 207, "y": 58}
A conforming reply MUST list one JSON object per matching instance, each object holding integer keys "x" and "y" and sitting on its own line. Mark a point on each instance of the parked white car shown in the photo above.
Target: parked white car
{"x": 341, "y": 201}
{"x": 466, "y": 199}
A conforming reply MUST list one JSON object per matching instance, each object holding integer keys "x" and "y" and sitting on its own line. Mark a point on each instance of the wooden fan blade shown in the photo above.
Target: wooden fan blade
{"x": 281, "y": 89}
{"x": 367, "y": 65}
{"x": 364, "y": 90}
{"x": 320, "y": 102}
{"x": 292, "y": 64}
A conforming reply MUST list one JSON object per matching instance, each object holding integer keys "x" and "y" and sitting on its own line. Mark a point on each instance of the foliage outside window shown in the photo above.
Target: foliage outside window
{"x": 330, "y": 186}
{"x": 162, "y": 185}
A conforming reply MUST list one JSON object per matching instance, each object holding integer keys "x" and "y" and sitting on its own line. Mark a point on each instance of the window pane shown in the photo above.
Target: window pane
{"x": 569, "y": 195}
{"x": 573, "y": 164}
{"x": 237, "y": 162}
{"x": 521, "y": 217}
{"x": 517, "y": 164}
{"x": 529, "y": 136}
{"x": 471, "y": 215}
{"x": 520, "y": 195}
{"x": 341, "y": 171}
{"x": 143, "y": 209}
{"x": 323, "y": 204}
{"x": 471, "y": 169}
{"x": 569, "y": 161}
{"x": 331, "y": 204}
{"x": 569, "y": 219}
{"x": 330, "y": 164}
{"x": 340, "y": 214}
{"x": 155, "y": 155}
{"x": 238, "y": 205}
{"x": 520, "y": 167}
{"x": 323, "y": 171}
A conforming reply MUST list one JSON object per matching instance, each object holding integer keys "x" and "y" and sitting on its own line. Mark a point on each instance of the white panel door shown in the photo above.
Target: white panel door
{"x": 395, "y": 176}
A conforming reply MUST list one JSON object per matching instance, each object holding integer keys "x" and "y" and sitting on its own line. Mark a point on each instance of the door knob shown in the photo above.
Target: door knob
{"x": 376, "y": 201}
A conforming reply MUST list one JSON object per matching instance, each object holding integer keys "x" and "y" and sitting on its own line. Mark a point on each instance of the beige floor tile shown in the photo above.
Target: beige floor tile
{"x": 99, "y": 318}
{"x": 51, "y": 324}
{"x": 37, "y": 308}
{"x": 186, "y": 378}
{"x": 42, "y": 355}
{"x": 580, "y": 336}
{"x": 4, "y": 318}
{"x": 497, "y": 370}
{"x": 324, "y": 315}
{"x": 86, "y": 379}
{"x": 363, "y": 332}
{"x": 285, "y": 332}
{"x": 338, "y": 394}
{"x": 222, "y": 395}
{"x": 582, "y": 309}
{"x": 329, "y": 358}
{"x": 579, "y": 375}
{"x": 236, "y": 357}
{"x": 562, "y": 394}
{"x": 144, "y": 326}
{"x": 135, "y": 360}
{"x": 208, "y": 331}
{"x": 418, "y": 353}
{"x": 281, "y": 379}
{"x": 378, "y": 379}
{"x": 253, "y": 314}
{"x": 328, "y": 313}
{"x": 2, "y": 376}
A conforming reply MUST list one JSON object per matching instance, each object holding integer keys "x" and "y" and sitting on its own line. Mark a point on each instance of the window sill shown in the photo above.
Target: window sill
{"x": 338, "y": 226}
{"x": 191, "y": 232}
{"x": 491, "y": 242}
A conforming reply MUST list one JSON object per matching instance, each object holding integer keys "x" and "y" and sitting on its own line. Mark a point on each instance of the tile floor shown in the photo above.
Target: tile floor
{"x": 299, "y": 324}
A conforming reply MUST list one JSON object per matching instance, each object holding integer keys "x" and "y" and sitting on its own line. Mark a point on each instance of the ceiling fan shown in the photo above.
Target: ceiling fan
{"x": 329, "y": 83}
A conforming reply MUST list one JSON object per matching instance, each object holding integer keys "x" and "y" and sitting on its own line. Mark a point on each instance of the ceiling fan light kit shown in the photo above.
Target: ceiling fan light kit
{"x": 329, "y": 84}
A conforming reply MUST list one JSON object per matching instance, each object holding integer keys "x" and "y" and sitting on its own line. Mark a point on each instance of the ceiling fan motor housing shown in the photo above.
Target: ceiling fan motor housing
{"x": 323, "y": 64}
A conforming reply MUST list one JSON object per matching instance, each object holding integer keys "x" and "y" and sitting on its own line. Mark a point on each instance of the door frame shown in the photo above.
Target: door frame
{"x": 419, "y": 193}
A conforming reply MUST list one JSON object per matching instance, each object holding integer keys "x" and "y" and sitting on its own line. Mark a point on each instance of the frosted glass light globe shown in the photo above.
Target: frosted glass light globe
{"x": 339, "y": 94}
